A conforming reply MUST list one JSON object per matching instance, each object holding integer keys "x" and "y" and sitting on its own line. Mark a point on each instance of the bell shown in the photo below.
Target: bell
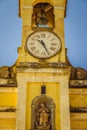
{"x": 42, "y": 21}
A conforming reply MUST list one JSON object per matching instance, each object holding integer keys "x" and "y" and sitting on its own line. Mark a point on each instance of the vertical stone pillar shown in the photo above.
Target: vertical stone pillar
{"x": 21, "y": 105}
{"x": 64, "y": 104}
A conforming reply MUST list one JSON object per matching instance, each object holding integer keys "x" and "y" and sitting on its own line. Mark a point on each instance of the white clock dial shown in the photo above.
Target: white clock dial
{"x": 43, "y": 44}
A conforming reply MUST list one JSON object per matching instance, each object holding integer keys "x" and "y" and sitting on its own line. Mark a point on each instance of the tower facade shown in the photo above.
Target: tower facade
{"x": 42, "y": 72}
{"x": 42, "y": 90}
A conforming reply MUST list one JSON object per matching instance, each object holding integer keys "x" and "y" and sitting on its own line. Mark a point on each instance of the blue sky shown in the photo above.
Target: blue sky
{"x": 75, "y": 32}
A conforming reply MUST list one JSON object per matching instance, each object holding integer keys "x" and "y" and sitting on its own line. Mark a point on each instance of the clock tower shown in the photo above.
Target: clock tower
{"x": 42, "y": 70}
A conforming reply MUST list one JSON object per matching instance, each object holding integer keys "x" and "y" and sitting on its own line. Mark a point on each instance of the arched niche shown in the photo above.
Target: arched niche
{"x": 43, "y": 113}
{"x": 43, "y": 16}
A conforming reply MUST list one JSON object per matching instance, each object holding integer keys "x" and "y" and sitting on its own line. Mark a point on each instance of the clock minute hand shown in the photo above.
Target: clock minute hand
{"x": 39, "y": 41}
{"x": 45, "y": 47}
{"x": 43, "y": 44}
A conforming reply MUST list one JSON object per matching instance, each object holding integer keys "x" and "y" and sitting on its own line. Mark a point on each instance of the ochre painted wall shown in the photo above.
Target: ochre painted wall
{"x": 52, "y": 90}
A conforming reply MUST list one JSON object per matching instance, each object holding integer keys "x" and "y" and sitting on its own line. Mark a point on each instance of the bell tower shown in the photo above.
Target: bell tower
{"x": 53, "y": 13}
{"x": 42, "y": 71}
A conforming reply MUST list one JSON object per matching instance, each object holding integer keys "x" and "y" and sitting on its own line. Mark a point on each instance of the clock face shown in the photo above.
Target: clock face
{"x": 43, "y": 44}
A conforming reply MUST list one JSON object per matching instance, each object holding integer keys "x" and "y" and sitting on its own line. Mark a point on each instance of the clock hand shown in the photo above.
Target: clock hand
{"x": 39, "y": 41}
{"x": 43, "y": 44}
{"x": 45, "y": 47}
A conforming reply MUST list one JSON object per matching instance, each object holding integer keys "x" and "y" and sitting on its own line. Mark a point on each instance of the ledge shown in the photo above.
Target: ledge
{"x": 4, "y": 115}
{"x": 8, "y": 83}
{"x": 78, "y": 109}
{"x": 78, "y": 83}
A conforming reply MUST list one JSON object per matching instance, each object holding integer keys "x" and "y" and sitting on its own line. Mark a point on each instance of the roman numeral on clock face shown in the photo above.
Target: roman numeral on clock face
{"x": 52, "y": 48}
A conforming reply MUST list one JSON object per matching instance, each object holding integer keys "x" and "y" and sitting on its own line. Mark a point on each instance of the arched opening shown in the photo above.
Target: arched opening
{"x": 43, "y": 113}
{"x": 43, "y": 16}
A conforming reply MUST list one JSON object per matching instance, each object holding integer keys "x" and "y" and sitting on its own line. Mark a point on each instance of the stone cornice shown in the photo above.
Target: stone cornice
{"x": 78, "y": 83}
{"x": 8, "y": 83}
{"x": 7, "y": 115}
{"x": 78, "y": 117}
{"x": 78, "y": 91}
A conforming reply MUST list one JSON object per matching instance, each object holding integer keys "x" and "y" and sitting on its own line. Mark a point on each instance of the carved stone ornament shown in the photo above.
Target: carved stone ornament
{"x": 4, "y": 72}
{"x": 43, "y": 113}
{"x": 78, "y": 73}
{"x": 7, "y": 76}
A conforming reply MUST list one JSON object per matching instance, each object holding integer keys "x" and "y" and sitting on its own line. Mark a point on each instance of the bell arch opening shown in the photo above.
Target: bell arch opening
{"x": 43, "y": 16}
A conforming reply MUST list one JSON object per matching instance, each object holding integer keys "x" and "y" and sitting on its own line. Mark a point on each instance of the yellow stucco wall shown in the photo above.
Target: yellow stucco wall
{"x": 8, "y": 96}
{"x": 77, "y": 99}
{"x": 7, "y": 120}
{"x": 52, "y": 90}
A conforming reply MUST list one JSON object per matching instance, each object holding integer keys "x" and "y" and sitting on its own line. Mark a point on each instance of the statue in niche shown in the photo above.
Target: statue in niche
{"x": 42, "y": 117}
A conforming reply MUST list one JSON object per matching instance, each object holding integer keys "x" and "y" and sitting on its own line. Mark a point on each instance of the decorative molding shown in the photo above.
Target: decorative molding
{"x": 78, "y": 91}
{"x": 5, "y": 72}
{"x": 78, "y": 83}
{"x": 59, "y": 8}
{"x": 8, "y": 83}
{"x": 7, "y": 115}
{"x": 8, "y": 89}
{"x": 78, "y": 73}
{"x": 56, "y": 7}
{"x": 78, "y": 117}
{"x": 41, "y": 64}
{"x": 79, "y": 120}
{"x": 27, "y": 7}
{"x": 78, "y": 109}
{"x": 40, "y": 68}
{"x": 7, "y": 77}
{"x": 7, "y": 109}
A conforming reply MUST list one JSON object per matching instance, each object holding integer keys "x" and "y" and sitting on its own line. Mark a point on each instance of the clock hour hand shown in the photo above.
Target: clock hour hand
{"x": 43, "y": 44}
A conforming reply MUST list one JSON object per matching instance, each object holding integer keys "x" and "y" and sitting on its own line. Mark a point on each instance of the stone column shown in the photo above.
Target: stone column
{"x": 64, "y": 104}
{"x": 21, "y": 105}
